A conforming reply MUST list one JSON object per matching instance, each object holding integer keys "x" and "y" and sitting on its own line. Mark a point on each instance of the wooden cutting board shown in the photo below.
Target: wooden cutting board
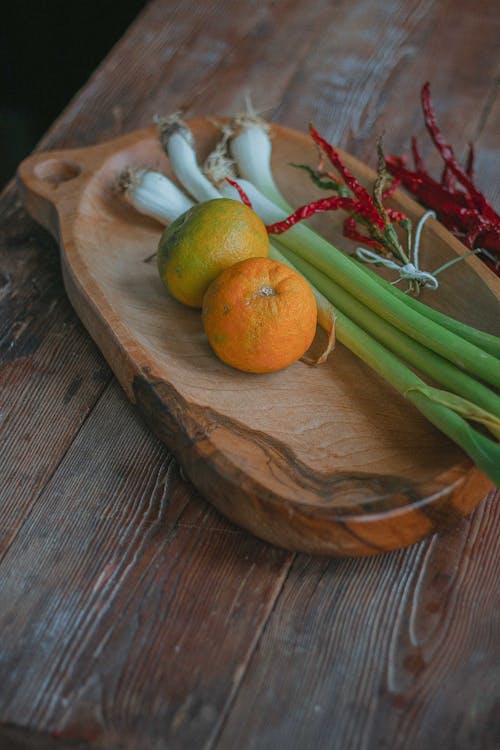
{"x": 327, "y": 459}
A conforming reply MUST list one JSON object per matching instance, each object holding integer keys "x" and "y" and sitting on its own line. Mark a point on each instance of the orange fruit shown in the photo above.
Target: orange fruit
{"x": 259, "y": 315}
{"x": 205, "y": 240}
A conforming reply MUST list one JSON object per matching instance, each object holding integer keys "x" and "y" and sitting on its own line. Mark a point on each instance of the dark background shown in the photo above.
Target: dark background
{"x": 47, "y": 52}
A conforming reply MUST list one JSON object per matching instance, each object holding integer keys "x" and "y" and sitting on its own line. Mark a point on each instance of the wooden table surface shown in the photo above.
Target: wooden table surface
{"x": 131, "y": 614}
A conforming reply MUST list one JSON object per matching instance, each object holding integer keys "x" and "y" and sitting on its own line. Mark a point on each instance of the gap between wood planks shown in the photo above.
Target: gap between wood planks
{"x": 55, "y": 469}
{"x": 63, "y": 126}
{"x": 217, "y": 731}
{"x": 286, "y": 568}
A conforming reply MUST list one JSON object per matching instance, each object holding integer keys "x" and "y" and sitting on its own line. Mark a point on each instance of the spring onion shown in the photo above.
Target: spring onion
{"x": 177, "y": 140}
{"x": 342, "y": 269}
{"x": 369, "y": 333}
{"x": 151, "y": 192}
{"x": 251, "y": 149}
{"x": 154, "y": 195}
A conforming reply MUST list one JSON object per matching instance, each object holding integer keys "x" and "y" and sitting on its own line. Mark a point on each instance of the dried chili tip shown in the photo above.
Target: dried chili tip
{"x": 396, "y": 216}
{"x": 447, "y": 179}
{"x": 244, "y": 197}
{"x": 448, "y": 155}
{"x": 417, "y": 156}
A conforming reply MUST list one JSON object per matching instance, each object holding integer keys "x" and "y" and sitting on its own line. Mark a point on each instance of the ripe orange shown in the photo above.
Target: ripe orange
{"x": 205, "y": 240}
{"x": 259, "y": 315}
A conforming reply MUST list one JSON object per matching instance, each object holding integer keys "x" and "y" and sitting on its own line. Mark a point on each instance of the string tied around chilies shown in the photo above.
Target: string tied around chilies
{"x": 408, "y": 271}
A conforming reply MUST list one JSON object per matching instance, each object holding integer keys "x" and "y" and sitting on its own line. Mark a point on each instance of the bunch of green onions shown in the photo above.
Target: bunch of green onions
{"x": 380, "y": 324}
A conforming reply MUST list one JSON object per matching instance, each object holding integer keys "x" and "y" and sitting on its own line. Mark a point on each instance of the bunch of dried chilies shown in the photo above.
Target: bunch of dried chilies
{"x": 458, "y": 203}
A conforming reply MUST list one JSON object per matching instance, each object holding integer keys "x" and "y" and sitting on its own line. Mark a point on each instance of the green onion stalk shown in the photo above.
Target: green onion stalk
{"x": 336, "y": 265}
{"x": 251, "y": 149}
{"x": 178, "y": 143}
{"x": 366, "y": 328}
{"x": 481, "y": 339}
{"x": 432, "y": 403}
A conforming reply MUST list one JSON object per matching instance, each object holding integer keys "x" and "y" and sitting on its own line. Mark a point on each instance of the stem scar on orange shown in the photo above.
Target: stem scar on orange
{"x": 205, "y": 240}
{"x": 259, "y": 315}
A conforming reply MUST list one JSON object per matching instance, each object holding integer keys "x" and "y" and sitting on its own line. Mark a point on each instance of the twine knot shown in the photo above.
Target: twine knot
{"x": 410, "y": 270}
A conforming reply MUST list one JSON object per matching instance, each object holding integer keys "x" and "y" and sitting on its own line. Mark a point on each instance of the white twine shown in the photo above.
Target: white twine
{"x": 409, "y": 271}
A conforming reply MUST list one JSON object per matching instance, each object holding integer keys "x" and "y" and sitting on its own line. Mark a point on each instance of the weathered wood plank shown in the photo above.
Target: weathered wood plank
{"x": 389, "y": 652}
{"x": 102, "y": 682}
{"x": 364, "y": 75}
{"x": 393, "y": 652}
{"x": 196, "y": 57}
{"x": 20, "y": 738}
{"x": 112, "y": 611}
{"x": 47, "y": 356}
{"x": 50, "y": 371}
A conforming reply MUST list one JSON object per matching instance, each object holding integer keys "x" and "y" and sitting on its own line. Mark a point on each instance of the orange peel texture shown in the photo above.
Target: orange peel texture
{"x": 204, "y": 241}
{"x": 259, "y": 315}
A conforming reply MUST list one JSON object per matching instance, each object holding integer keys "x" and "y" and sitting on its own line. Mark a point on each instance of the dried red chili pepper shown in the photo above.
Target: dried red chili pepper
{"x": 352, "y": 233}
{"x": 309, "y": 209}
{"x": 244, "y": 197}
{"x": 457, "y": 201}
{"x": 366, "y": 210}
{"x": 358, "y": 190}
{"x": 448, "y": 155}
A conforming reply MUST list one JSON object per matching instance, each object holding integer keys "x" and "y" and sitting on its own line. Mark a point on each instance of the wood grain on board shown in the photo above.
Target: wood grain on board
{"x": 352, "y": 468}
{"x": 127, "y": 562}
{"x": 390, "y": 653}
{"x": 51, "y": 373}
{"x": 190, "y": 55}
{"x": 125, "y": 93}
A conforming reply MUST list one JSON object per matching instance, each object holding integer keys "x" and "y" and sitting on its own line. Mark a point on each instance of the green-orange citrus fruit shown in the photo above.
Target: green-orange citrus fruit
{"x": 204, "y": 241}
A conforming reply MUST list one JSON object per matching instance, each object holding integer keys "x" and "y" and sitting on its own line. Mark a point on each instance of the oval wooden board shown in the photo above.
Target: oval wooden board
{"x": 327, "y": 460}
